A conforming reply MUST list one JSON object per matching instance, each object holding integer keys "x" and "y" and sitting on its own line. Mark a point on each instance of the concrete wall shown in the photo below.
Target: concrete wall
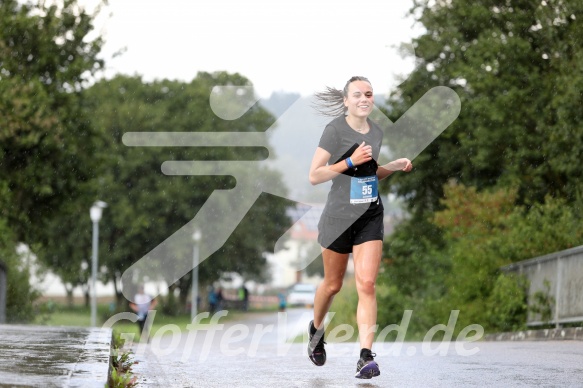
{"x": 564, "y": 272}
{"x": 3, "y": 287}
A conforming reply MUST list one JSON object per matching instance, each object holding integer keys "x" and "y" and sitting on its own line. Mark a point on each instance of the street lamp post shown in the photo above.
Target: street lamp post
{"x": 196, "y": 236}
{"x": 95, "y": 214}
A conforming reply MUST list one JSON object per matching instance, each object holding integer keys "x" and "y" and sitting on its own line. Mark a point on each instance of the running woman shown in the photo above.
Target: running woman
{"x": 352, "y": 220}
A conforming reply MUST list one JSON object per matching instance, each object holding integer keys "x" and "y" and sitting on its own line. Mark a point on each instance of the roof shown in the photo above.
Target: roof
{"x": 305, "y": 218}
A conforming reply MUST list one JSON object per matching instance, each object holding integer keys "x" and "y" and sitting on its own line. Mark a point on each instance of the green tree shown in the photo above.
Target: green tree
{"x": 46, "y": 58}
{"x": 480, "y": 233}
{"x": 486, "y": 231}
{"x": 472, "y": 222}
{"x": 145, "y": 206}
{"x": 517, "y": 69}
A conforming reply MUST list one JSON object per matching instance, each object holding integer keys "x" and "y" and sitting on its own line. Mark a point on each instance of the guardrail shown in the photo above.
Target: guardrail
{"x": 563, "y": 272}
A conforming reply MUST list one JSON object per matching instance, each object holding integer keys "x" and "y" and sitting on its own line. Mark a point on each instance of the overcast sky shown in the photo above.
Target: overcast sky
{"x": 293, "y": 46}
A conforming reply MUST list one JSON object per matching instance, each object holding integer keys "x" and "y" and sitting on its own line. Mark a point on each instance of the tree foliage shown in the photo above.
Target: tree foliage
{"x": 145, "y": 206}
{"x": 61, "y": 149}
{"x": 46, "y": 58}
{"x": 517, "y": 69}
{"x": 501, "y": 184}
{"x": 478, "y": 233}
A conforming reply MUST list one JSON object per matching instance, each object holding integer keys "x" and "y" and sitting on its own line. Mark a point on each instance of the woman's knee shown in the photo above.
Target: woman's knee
{"x": 333, "y": 287}
{"x": 366, "y": 286}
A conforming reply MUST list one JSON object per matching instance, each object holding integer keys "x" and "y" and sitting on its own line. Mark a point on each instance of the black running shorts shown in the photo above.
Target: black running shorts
{"x": 338, "y": 235}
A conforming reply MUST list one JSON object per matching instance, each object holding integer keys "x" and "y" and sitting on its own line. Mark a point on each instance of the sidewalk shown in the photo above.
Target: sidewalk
{"x": 46, "y": 356}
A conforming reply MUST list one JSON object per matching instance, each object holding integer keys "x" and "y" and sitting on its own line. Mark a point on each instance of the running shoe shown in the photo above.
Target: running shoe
{"x": 366, "y": 367}
{"x": 316, "y": 351}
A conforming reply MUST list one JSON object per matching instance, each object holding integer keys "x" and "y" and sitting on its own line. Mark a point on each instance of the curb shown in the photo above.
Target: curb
{"x": 569, "y": 334}
{"x": 92, "y": 367}
{"x": 54, "y": 356}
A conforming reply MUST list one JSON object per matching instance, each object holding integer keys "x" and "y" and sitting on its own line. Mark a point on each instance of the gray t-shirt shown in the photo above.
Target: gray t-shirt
{"x": 340, "y": 140}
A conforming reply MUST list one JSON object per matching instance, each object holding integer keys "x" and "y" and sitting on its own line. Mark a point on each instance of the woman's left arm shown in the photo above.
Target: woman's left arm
{"x": 402, "y": 164}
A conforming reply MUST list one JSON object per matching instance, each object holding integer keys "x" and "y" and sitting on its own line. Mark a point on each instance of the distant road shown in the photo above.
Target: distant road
{"x": 256, "y": 352}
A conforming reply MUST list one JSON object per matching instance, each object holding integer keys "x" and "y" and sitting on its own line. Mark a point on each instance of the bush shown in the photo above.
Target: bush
{"x": 19, "y": 293}
{"x": 508, "y": 303}
{"x": 543, "y": 303}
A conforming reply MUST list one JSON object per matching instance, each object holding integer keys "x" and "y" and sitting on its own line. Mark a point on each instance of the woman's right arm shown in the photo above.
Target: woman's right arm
{"x": 320, "y": 171}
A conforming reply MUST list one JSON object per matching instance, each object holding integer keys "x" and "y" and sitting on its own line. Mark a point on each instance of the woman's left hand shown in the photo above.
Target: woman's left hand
{"x": 402, "y": 164}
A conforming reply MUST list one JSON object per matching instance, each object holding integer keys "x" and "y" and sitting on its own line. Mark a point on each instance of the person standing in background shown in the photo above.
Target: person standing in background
{"x": 142, "y": 304}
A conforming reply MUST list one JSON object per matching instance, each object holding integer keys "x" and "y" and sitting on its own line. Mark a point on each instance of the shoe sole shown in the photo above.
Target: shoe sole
{"x": 313, "y": 362}
{"x": 368, "y": 371}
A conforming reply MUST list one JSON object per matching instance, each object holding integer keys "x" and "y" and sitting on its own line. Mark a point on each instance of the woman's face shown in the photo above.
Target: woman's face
{"x": 360, "y": 99}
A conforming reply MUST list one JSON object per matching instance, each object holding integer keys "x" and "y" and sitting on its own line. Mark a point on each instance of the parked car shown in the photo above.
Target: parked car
{"x": 301, "y": 294}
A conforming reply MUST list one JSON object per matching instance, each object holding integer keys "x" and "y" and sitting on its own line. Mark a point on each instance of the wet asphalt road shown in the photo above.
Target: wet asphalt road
{"x": 257, "y": 352}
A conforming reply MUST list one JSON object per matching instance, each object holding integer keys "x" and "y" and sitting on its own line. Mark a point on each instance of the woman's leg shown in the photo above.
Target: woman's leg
{"x": 334, "y": 270}
{"x": 367, "y": 259}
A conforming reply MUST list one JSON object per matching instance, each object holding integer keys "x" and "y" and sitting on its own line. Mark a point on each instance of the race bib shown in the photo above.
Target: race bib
{"x": 364, "y": 189}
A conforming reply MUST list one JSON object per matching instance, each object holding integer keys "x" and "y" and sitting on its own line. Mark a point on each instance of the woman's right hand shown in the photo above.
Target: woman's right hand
{"x": 361, "y": 155}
